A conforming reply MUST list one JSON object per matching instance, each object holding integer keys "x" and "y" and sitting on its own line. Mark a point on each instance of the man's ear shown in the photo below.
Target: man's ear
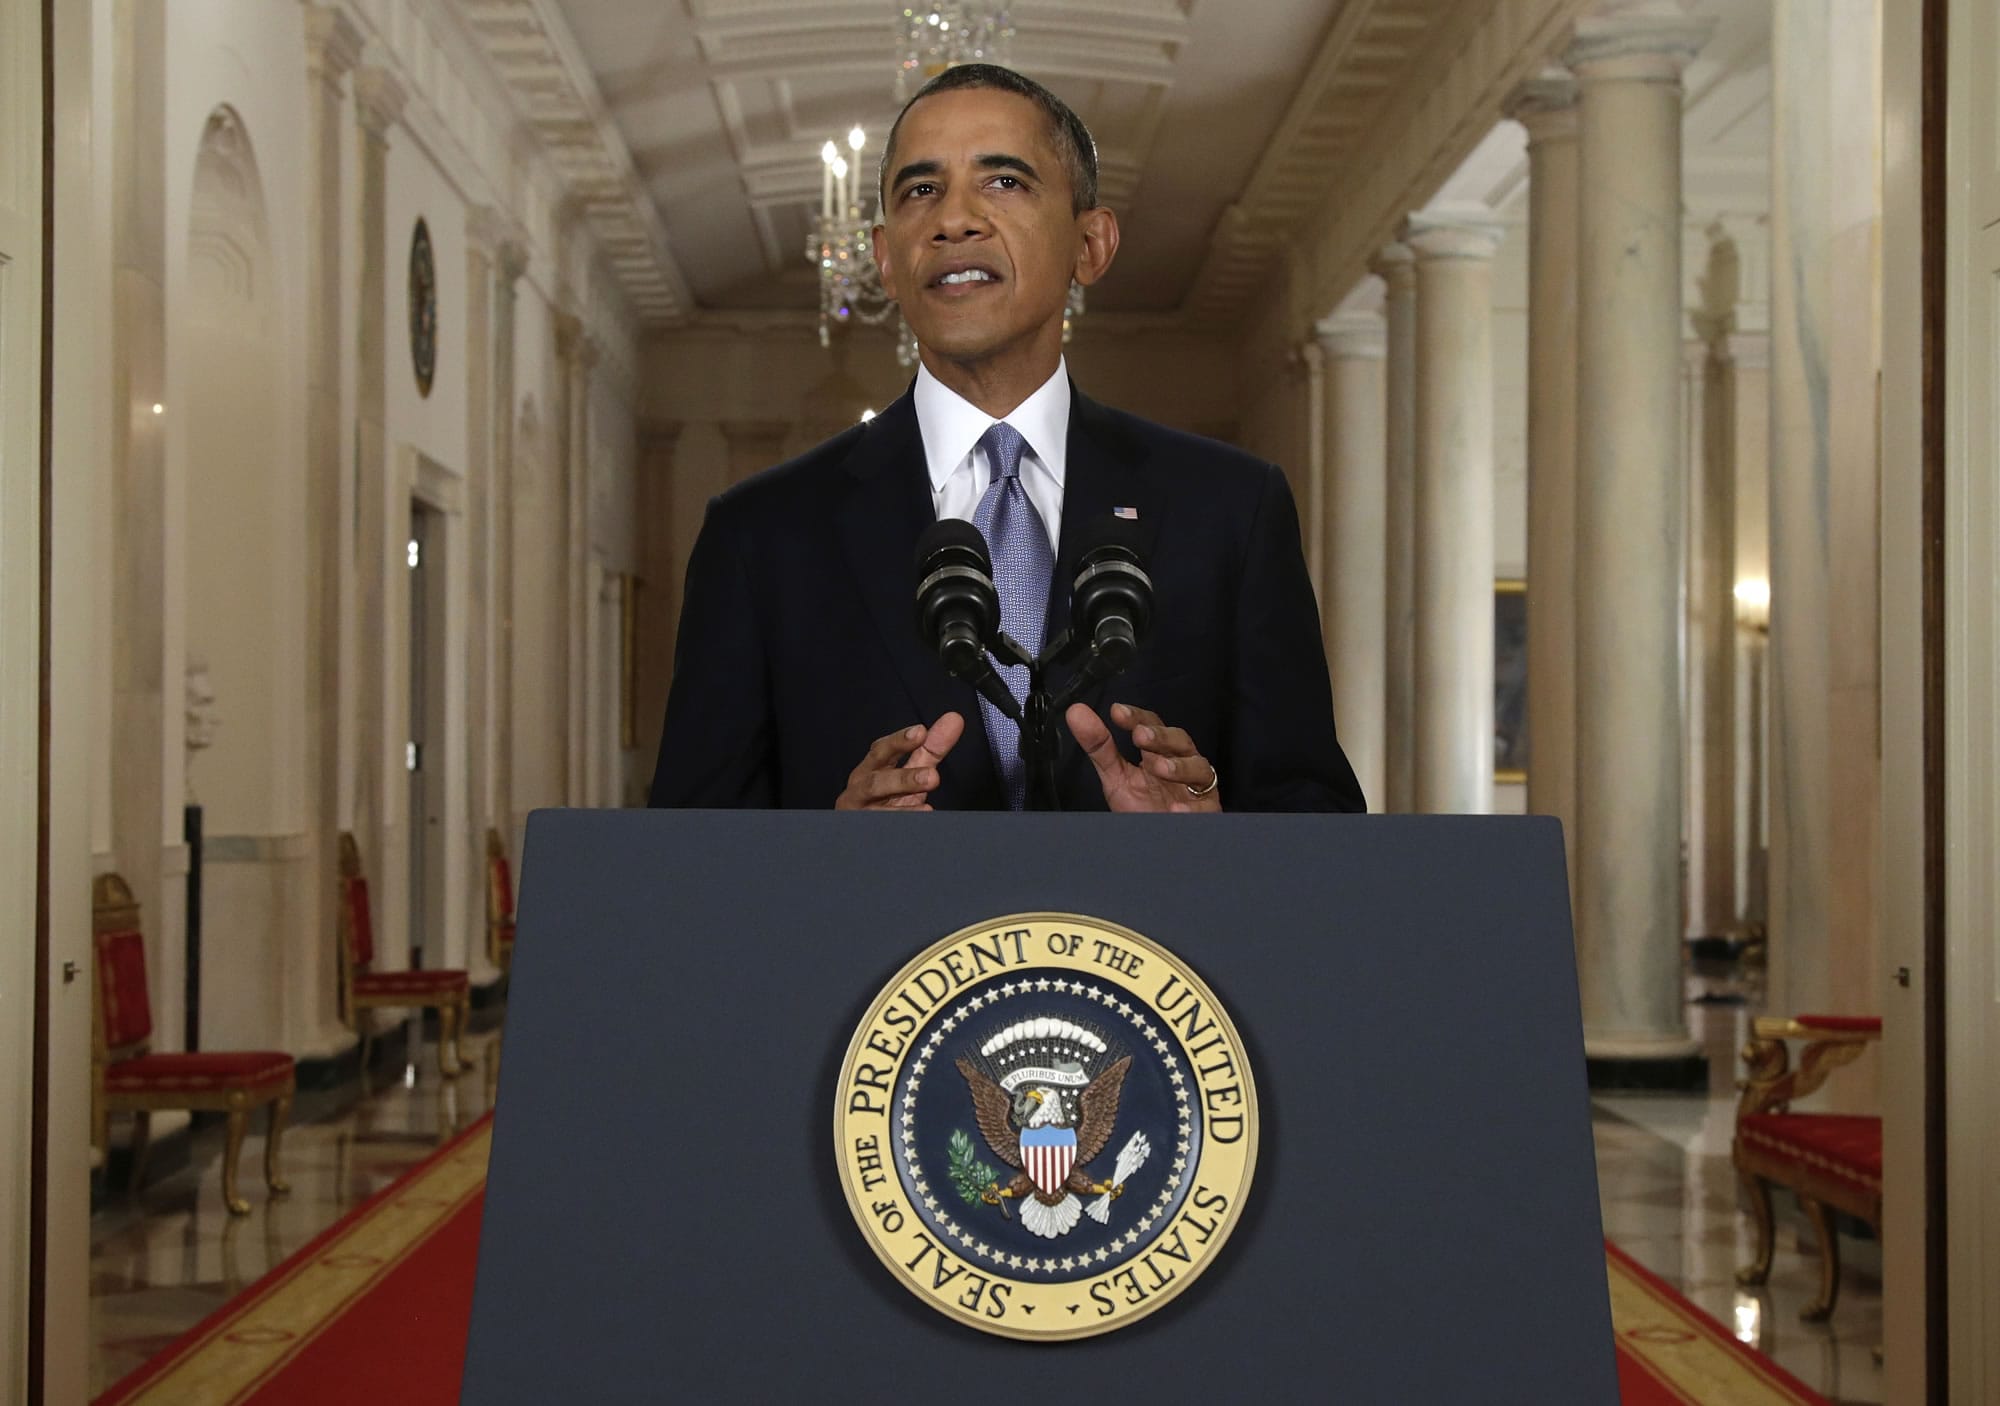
{"x": 875, "y": 245}
{"x": 1099, "y": 228}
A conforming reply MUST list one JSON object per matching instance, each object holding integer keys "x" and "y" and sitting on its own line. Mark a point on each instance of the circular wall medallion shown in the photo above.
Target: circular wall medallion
{"x": 1046, "y": 1126}
{"x": 423, "y": 308}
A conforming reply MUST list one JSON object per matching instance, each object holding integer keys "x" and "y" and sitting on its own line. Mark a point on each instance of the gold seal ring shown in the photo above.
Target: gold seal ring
{"x": 1046, "y": 1126}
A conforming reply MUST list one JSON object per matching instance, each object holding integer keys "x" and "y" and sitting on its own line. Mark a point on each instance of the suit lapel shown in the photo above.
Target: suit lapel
{"x": 1105, "y": 469}
{"x": 886, "y": 509}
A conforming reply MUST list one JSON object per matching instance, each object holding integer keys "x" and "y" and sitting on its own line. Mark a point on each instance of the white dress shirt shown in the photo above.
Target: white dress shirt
{"x": 951, "y": 426}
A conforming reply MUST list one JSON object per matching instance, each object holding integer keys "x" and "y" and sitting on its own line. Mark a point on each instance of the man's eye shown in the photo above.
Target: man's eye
{"x": 920, "y": 188}
{"x": 1008, "y": 182}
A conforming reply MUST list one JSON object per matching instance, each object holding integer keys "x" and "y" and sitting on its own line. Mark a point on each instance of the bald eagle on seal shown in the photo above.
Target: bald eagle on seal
{"x": 1048, "y": 1115}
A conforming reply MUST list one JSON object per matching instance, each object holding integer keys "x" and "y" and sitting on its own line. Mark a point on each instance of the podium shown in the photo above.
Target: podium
{"x": 664, "y": 1217}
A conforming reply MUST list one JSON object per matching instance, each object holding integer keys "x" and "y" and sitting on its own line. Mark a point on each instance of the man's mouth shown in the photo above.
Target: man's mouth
{"x": 965, "y": 278}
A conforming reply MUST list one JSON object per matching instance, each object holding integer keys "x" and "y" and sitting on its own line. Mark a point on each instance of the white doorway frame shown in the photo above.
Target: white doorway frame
{"x": 442, "y": 490}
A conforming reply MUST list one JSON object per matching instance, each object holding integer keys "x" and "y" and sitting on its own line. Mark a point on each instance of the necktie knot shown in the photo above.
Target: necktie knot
{"x": 1004, "y": 446}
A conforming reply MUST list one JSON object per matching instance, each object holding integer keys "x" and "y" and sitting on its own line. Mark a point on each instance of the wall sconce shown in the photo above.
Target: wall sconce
{"x": 1753, "y": 604}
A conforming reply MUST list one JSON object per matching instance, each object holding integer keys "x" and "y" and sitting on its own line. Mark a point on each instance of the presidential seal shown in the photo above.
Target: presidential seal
{"x": 1046, "y": 1126}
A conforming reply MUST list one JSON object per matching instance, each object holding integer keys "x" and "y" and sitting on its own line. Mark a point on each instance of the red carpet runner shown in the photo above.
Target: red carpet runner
{"x": 376, "y": 1308}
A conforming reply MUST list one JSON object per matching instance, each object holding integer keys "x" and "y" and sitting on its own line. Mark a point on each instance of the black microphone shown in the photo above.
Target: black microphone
{"x": 1111, "y": 600}
{"x": 958, "y": 607}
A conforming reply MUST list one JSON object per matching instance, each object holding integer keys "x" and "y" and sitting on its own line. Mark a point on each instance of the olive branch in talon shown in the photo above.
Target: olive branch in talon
{"x": 974, "y": 1181}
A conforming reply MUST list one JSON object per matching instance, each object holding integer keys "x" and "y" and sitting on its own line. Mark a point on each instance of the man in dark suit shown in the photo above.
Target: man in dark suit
{"x": 798, "y": 642}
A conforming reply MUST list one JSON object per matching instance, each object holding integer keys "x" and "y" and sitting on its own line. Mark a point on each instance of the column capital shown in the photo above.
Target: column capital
{"x": 1396, "y": 265}
{"x": 568, "y": 328}
{"x": 379, "y": 97}
{"x": 575, "y": 344}
{"x": 1451, "y": 232}
{"x": 1546, "y": 106}
{"x": 333, "y": 42}
{"x": 1650, "y": 41}
{"x": 498, "y": 236}
{"x": 1353, "y": 336}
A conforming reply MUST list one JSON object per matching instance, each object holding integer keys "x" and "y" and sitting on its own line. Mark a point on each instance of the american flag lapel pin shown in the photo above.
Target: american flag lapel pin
{"x": 1129, "y": 514}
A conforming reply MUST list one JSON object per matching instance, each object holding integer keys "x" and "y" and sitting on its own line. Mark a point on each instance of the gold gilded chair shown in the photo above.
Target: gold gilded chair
{"x": 448, "y": 992}
{"x": 1831, "y": 1161}
{"x": 127, "y": 1078}
{"x": 499, "y": 903}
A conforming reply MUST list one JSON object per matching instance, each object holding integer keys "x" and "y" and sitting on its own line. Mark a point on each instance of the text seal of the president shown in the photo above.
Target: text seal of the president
{"x": 1046, "y": 1126}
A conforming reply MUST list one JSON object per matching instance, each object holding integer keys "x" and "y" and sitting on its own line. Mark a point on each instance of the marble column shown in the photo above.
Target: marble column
{"x": 510, "y": 261}
{"x": 1354, "y": 537}
{"x": 485, "y": 231}
{"x": 1396, "y": 266}
{"x": 1453, "y": 672}
{"x": 1711, "y": 627}
{"x": 333, "y": 46}
{"x": 1313, "y": 511}
{"x": 1825, "y": 773}
{"x": 1546, "y": 106}
{"x": 1628, "y": 556}
{"x": 148, "y": 671}
{"x": 378, "y": 762}
{"x": 1744, "y": 395}
{"x": 577, "y": 352}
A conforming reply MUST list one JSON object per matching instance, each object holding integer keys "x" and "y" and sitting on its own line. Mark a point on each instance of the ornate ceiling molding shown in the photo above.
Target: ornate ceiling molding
{"x": 1400, "y": 93}
{"x": 532, "y": 51}
{"x": 747, "y": 43}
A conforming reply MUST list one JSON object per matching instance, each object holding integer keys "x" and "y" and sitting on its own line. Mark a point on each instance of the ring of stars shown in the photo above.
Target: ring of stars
{"x": 967, "y": 1242}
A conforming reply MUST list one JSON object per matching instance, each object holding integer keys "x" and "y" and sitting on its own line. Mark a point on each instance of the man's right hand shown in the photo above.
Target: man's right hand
{"x": 900, "y": 770}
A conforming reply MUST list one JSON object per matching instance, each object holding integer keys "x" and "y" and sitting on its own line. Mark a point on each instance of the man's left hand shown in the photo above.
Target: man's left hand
{"x": 1170, "y": 770}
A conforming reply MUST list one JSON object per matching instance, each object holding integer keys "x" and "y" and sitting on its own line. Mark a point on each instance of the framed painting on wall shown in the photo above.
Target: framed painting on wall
{"x": 1510, "y": 681}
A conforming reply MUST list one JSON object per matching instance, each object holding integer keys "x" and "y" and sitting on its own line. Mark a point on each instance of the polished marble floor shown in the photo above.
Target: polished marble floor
{"x": 1668, "y": 1192}
{"x": 165, "y": 1259}
{"x": 162, "y": 1261}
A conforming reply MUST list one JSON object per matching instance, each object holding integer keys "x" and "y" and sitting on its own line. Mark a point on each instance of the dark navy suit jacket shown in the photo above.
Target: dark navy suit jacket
{"x": 798, "y": 642}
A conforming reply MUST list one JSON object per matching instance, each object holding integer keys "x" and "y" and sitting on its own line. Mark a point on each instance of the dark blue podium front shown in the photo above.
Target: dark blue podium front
{"x": 664, "y": 1220}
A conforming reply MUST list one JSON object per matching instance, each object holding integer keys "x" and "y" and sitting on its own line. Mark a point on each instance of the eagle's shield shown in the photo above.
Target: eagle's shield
{"x": 1047, "y": 1154}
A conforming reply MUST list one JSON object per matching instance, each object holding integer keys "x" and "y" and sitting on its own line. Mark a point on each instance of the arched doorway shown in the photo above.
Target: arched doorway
{"x": 242, "y": 647}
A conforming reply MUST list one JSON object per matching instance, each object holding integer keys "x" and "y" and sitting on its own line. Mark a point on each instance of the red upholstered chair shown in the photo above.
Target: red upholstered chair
{"x": 499, "y": 903}
{"x": 1833, "y": 1161}
{"x": 127, "y": 1078}
{"x": 363, "y": 988}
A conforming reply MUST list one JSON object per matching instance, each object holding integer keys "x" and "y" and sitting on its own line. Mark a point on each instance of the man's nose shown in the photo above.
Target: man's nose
{"x": 961, "y": 215}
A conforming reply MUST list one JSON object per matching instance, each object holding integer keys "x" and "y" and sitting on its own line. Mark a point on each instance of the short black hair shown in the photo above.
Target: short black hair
{"x": 1072, "y": 139}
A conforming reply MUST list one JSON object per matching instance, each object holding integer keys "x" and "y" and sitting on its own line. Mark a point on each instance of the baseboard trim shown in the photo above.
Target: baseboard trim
{"x": 1676, "y": 1074}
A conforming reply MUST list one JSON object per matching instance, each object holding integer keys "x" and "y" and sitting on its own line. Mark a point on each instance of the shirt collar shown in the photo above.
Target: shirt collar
{"x": 951, "y": 425}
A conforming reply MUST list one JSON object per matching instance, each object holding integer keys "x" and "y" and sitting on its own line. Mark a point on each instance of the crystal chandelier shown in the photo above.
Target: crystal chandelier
{"x": 932, "y": 38}
{"x": 850, "y": 288}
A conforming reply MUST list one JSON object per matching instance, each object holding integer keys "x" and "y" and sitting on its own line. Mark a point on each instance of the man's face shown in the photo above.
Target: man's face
{"x": 978, "y": 195}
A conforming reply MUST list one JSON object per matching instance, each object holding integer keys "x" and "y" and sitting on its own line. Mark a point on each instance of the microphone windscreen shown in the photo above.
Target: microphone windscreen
{"x": 951, "y": 532}
{"x": 1111, "y": 531}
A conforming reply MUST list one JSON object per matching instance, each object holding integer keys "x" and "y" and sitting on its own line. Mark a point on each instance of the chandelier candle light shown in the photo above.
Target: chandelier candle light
{"x": 850, "y": 288}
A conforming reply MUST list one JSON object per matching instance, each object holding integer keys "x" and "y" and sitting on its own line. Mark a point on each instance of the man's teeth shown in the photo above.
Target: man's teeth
{"x": 969, "y": 276}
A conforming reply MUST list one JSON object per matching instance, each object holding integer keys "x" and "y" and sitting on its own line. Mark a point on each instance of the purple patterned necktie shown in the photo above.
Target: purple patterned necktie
{"x": 1022, "y": 565}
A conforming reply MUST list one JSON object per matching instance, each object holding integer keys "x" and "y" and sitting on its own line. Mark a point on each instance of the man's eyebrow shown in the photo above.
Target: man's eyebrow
{"x": 1000, "y": 161}
{"x": 915, "y": 168}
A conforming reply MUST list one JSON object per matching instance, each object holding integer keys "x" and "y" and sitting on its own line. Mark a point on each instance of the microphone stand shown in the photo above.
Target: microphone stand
{"x": 1038, "y": 716}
